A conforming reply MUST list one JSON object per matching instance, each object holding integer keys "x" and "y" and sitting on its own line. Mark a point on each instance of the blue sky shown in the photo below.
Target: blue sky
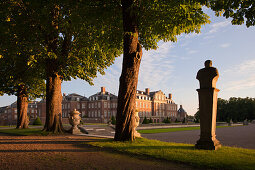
{"x": 172, "y": 68}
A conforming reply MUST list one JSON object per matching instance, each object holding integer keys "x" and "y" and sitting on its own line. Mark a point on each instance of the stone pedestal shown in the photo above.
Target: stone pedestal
{"x": 208, "y": 113}
{"x": 208, "y": 107}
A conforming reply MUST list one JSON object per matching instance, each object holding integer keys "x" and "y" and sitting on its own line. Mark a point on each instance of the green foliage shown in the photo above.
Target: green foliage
{"x": 165, "y": 20}
{"x": 239, "y": 10}
{"x": 197, "y": 117}
{"x": 184, "y": 120}
{"x": 150, "y": 121}
{"x": 166, "y": 120}
{"x": 37, "y": 121}
{"x": 224, "y": 158}
{"x": 18, "y": 56}
{"x": 78, "y": 38}
{"x": 113, "y": 120}
{"x": 237, "y": 109}
{"x": 145, "y": 121}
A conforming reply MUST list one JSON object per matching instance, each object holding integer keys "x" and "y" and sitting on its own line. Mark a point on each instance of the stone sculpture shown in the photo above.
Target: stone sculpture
{"x": 136, "y": 124}
{"x": 207, "y": 93}
{"x": 74, "y": 120}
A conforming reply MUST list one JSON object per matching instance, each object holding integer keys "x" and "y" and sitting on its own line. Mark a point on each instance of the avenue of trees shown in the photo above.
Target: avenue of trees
{"x": 78, "y": 39}
{"x": 237, "y": 109}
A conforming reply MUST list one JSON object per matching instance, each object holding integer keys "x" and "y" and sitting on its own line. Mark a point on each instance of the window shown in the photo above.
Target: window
{"x": 96, "y": 113}
{"x": 92, "y": 105}
{"x": 95, "y": 105}
{"x": 78, "y": 99}
{"x": 99, "y": 105}
{"x": 109, "y": 105}
{"x": 83, "y": 105}
{"x": 109, "y": 113}
{"x": 68, "y": 105}
{"x": 32, "y": 111}
{"x": 105, "y": 104}
{"x": 105, "y": 113}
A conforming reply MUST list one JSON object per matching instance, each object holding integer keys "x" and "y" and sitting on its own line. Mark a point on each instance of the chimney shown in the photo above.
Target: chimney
{"x": 181, "y": 106}
{"x": 147, "y": 91}
{"x": 170, "y": 96}
{"x": 102, "y": 89}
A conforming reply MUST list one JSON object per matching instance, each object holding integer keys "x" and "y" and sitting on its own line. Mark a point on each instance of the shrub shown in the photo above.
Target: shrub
{"x": 113, "y": 120}
{"x": 145, "y": 121}
{"x": 37, "y": 121}
{"x": 167, "y": 120}
{"x": 150, "y": 121}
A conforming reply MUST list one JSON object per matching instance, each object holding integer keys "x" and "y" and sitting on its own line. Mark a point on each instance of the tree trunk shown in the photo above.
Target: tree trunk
{"x": 22, "y": 104}
{"x": 129, "y": 76}
{"x": 53, "y": 121}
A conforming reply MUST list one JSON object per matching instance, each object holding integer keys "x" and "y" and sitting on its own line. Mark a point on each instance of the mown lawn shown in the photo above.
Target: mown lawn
{"x": 224, "y": 158}
{"x": 163, "y": 130}
{"x": 23, "y": 132}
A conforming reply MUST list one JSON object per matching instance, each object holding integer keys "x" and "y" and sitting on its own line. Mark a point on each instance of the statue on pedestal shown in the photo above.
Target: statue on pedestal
{"x": 136, "y": 124}
{"x": 207, "y": 93}
{"x": 74, "y": 120}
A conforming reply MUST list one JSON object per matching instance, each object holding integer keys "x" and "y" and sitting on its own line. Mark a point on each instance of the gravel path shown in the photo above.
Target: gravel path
{"x": 66, "y": 152}
{"x": 238, "y": 136}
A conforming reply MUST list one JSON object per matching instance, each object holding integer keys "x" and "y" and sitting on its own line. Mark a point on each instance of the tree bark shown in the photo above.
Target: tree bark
{"x": 22, "y": 104}
{"x": 129, "y": 76}
{"x": 53, "y": 121}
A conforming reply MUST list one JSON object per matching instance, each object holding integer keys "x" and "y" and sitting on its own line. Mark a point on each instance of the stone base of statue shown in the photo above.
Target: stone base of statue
{"x": 208, "y": 144}
{"x": 137, "y": 134}
{"x": 75, "y": 131}
{"x": 208, "y": 113}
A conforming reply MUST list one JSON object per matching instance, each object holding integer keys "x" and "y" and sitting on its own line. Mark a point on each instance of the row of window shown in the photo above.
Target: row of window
{"x": 106, "y": 105}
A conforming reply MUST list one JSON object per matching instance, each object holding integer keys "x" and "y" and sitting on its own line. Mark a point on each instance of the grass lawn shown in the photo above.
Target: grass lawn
{"x": 162, "y": 130}
{"x": 23, "y": 132}
{"x": 224, "y": 158}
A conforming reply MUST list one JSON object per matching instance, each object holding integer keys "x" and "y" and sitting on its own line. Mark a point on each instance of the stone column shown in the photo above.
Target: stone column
{"x": 207, "y": 93}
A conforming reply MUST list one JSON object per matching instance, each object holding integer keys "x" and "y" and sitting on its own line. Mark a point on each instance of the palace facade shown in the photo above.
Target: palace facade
{"x": 100, "y": 107}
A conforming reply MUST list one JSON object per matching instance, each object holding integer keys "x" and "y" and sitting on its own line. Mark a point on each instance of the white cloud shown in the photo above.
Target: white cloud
{"x": 192, "y": 51}
{"x": 218, "y": 26}
{"x": 225, "y": 45}
{"x": 156, "y": 67}
{"x": 240, "y": 76}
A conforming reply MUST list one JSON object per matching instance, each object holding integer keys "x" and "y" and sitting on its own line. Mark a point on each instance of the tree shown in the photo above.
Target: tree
{"x": 150, "y": 121}
{"x": 145, "y": 121}
{"x": 145, "y": 23}
{"x": 78, "y": 39}
{"x": 237, "y": 109}
{"x": 20, "y": 75}
{"x": 113, "y": 120}
{"x": 239, "y": 10}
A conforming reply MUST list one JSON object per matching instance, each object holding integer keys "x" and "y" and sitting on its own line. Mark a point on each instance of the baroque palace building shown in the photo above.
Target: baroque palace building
{"x": 100, "y": 107}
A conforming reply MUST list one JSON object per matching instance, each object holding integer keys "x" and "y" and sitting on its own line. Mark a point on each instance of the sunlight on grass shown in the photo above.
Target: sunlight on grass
{"x": 23, "y": 132}
{"x": 224, "y": 158}
{"x": 164, "y": 130}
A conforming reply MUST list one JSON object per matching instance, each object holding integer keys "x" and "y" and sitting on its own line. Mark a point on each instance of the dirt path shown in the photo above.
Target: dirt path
{"x": 66, "y": 152}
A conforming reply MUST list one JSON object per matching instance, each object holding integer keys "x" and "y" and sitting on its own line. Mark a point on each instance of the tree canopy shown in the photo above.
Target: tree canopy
{"x": 237, "y": 109}
{"x": 241, "y": 11}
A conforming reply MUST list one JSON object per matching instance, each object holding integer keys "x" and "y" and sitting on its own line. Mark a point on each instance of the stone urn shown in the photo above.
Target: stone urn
{"x": 136, "y": 124}
{"x": 74, "y": 120}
